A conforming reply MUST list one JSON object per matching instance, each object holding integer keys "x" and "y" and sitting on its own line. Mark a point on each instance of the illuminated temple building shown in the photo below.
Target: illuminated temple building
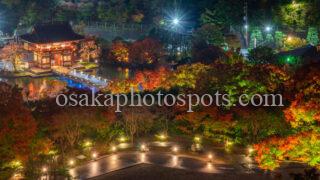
{"x": 54, "y": 44}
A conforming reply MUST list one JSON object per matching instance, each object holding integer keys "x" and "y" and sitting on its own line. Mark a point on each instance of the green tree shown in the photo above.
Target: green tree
{"x": 17, "y": 128}
{"x": 211, "y": 34}
{"x": 87, "y": 12}
{"x": 66, "y": 15}
{"x": 113, "y": 11}
{"x": 39, "y": 11}
{"x": 313, "y": 37}
{"x": 293, "y": 15}
{"x": 225, "y": 13}
{"x": 11, "y": 3}
{"x": 269, "y": 40}
{"x": 279, "y": 39}
{"x": 256, "y": 38}
{"x": 102, "y": 11}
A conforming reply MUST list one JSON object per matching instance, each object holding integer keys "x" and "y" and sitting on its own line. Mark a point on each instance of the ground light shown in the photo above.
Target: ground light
{"x": 162, "y": 137}
{"x": 94, "y": 155}
{"x": 228, "y": 145}
{"x": 71, "y": 162}
{"x": 113, "y": 148}
{"x": 87, "y": 143}
{"x": 122, "y": 139}
{"x": 175, "y": 149}
{"x": 197, "y": 139}
{"x": 44, "y": 169}
{"x": 210, "y": 157}
{"x": 250, "y": 150}
{"x": 143, "y": 147}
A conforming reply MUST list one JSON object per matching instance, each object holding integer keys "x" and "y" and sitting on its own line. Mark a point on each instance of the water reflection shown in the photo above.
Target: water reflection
{"x": 44, "y": 87}
{"x": 113, "y": 73}
{"x": 39, "y": 88}
{"x": 47, "y": 87}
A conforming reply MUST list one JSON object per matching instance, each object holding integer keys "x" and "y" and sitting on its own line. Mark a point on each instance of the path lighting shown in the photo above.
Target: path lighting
{"x": 162, "y": 137}
{"x": 197, "y": 139}
{"x": 210, "y": 157}
{"x": 94, "y": 155}
{"x": 289, "y": 38}
{"x": 250, "y": 150}
{"x": 143, "y": 147}
{"x": 175, "y": 149}
{"x": 228, "y": 143}
{"x": 87, "y": 143}
{"x": 44, "y": 169}
{"x": 246, "y": 26}
{"x": 71, "y": 162}
{"x": 113, "y": 148}
{"x": 122, "y": 139}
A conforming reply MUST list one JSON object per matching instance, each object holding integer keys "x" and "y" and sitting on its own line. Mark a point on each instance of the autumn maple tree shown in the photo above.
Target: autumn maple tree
{"x": 146, "y": 51}
{"x": 119, "y": 52}
{"x": 303, "y": 115}
{"x": 17, "y": 126}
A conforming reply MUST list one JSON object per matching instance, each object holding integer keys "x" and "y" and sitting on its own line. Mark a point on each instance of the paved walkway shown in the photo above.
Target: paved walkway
{"x": 127, "y": 159}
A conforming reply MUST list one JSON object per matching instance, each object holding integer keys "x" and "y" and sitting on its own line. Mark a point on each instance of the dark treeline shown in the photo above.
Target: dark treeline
{"x": 294, "y": 14}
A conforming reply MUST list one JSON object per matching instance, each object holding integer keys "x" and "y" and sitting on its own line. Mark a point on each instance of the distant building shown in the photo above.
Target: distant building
{"x": 54, "y": 44}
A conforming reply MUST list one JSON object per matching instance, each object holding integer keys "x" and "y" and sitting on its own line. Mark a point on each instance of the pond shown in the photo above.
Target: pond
{"x": 42, "y": 87}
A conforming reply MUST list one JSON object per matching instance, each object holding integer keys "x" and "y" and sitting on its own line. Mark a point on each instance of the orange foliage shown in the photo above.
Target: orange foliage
{"x": 146, "y": 51}
{"x": 119, "y": 52}
{"x": 18, "y": 126}
{"x": 302, "y": 147}
{"x": 151, "y": 80}
{"x": 147, "y": 80}
{"x": 203, "y": 116}
{"x": 302, "y": 112}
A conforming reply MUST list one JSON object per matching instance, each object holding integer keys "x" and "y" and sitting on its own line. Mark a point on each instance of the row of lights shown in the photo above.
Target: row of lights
{"x": 144, "y": 148}
{"x": 267, "y": 28}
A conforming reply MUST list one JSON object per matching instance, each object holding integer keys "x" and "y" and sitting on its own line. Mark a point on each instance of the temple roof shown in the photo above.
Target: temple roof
{"x": 51, "y": 33}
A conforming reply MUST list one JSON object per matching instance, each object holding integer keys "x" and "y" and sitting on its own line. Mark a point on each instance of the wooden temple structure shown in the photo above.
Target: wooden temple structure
{"x": 54, "y": 44}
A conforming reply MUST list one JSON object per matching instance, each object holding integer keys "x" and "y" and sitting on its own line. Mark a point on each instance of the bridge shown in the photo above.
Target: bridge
{"x": 81, "y": 76}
